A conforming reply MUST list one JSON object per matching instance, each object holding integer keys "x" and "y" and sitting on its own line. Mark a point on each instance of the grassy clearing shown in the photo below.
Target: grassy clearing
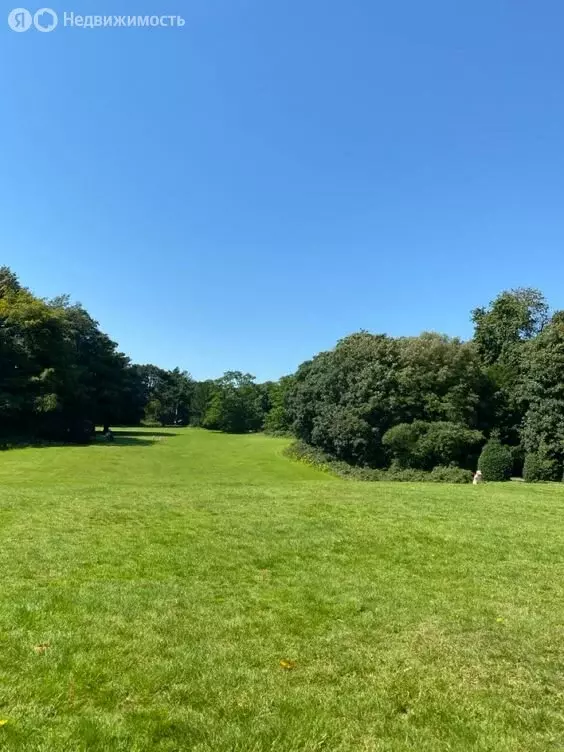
{"x": 151, "y": 587}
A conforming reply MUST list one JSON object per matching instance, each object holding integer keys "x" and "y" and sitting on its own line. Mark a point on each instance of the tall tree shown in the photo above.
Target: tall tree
{"x": 543, "y": 387}
{"x": 235, "y": 404}
{"x": 512, "y": 318}
{"x": 32, "y": 356}
{"x": 95, "y": 378}
{"x": 278, "y": 418}
{"x": 201, "y": 397}
{"x": 167, "y": 394}
{"x": 502, "y": 330}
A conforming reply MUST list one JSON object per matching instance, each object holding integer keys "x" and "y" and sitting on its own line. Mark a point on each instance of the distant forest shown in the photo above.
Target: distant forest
{"x": 373, "y": 401}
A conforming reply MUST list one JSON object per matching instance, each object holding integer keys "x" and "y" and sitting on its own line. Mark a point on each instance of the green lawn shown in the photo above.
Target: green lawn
{"x": 151, "y": 587}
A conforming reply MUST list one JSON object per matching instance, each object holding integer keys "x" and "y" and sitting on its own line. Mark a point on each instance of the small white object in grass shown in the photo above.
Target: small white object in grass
{"x": 478, "y": 478}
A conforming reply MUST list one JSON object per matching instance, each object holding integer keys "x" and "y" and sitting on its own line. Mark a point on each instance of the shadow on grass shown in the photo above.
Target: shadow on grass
{"x": 121, "y": 439}
{"x": 132, "y": 437}
{"x": 142, "y": 433}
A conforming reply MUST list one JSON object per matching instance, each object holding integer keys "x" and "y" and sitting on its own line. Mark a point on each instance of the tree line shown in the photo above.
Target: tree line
{"x": 432, "y": 400}
{"x": 60, "y": 376}
{"x": 374, "y": 401}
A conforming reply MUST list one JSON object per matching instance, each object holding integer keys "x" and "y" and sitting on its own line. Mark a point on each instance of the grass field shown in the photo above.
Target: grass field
{"x": 151, "y": 587}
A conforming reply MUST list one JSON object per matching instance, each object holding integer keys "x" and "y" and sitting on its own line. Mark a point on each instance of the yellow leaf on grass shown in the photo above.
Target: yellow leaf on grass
{"x": 3, "y": 723}
{"x": 287, "y": 664}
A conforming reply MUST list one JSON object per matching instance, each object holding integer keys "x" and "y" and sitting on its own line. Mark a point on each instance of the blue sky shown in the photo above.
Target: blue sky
{"x": 242, "y": 192}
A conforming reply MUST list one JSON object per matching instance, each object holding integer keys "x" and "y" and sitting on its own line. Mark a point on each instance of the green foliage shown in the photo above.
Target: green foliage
{"x": 403, "y": 442}
{"x": 543, "y": 390}
{"x": 344, "y": 401}
{"x": 502, "y": 334}
{"x": 442, "y": 379}
{"x": 413, "y": 402}
{"x": 540, "y": 467}
{"x": 167, "y": 395}
{"x": 201, "y": 396}
{"x": 314, "y": 457}
{"x": 495, "y": 462}
{"x": 450, "y": 474}
{"x": 511, "y": 319}
{"x": 309, "y": 455}
{"x": 278, "y": 420}
{"x": 405, "y": 475}
{"x": 449, "y": 443}
{"x": 9, "y": 283}
{"x": 425, "y": 445}
{"x": 235, "y": 404}
{"x": 59, "y": 374}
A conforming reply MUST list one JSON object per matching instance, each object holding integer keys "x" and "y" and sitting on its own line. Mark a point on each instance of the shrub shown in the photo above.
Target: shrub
{"x": 539, "y": 468}
{"x": 343, "y": 434}
{"x": 447, "y": 444}
{"x": 303, "y": 452}
{"x": 425, "y": 445}
{"x": 495, "y": 462}
{"x": 405, "y": 475}
{"x": 450, "y": 474}
{"x": 401, "y": 442}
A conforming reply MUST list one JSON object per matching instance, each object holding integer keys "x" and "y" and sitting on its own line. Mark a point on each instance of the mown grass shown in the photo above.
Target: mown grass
{"x": 151, "y": 587}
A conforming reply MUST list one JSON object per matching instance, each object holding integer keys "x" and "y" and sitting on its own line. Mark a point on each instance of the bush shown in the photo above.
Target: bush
{"x": 402, "y": 441}
{"x": 450, "y": 474}
{"x": 405, "y": 475}
{"x": 425, "y": 445}
{"x": 539, "y": 468}
{"x": 447, "y": 444}
{"x": 343, "y": 434}
{"x": 495, "y": 462}
{"x": 303, "y": 452}
{"x": 313, "y": 456}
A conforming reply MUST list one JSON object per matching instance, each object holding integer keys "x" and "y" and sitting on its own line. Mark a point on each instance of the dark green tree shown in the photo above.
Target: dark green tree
{"x": 345, "y": 400}
{"x": 424, "y": 445}
{"x": 201, "y": 397}
{"x": 514, "y": 317}
{"x": 495, "y": 461}
{"x": 167, "y": 395}
{"x": 543, "y": 391}
{"x": 502, "y": 331}
{"x": 278, "y": 419}
{"x": 235, "y": 406}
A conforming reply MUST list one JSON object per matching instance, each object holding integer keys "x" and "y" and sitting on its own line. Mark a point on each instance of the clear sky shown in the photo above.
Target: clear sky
{"x": 243, "y": 191}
